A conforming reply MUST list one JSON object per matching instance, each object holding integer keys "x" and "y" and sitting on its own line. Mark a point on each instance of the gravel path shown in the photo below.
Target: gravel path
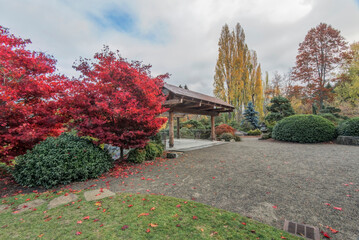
{"x": 267, "y": 180}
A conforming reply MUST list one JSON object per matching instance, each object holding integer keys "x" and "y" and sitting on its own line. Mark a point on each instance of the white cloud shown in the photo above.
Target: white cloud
{"x": 177, "y": 36}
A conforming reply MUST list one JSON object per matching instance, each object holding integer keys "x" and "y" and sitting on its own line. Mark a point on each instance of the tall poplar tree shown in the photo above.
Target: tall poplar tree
{"x": 237, "y": 78}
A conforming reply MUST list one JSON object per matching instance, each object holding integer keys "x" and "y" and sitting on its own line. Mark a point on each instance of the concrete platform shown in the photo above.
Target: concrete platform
{"x": 184, "y": 145}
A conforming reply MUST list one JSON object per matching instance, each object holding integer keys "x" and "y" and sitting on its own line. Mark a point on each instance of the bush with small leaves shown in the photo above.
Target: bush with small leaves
{"x": 224, "y": 128}
{"x": 237, "y": 138}
{"x": 226, "y": 136}
{"x": 330, "y": 117}
{"x": 255, "y": 132}
{"x": 61, "y": 160}
{"x": 153, "y": 150}
{"x": 349, "y": 127}
{"x": 186, "y": 133}
{"x": 137, "y": 155}
{"x": 304, "y": 129}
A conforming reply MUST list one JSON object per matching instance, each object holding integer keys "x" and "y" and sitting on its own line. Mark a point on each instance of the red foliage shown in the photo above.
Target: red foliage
{"x": 115, "y": 101}
{"x": 224, "y": 128}
{"x": 322, "y": 50}
{"x": 29, "y": 90}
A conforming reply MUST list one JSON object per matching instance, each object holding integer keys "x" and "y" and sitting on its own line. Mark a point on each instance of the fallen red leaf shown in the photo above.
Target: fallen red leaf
{"x": 338, "y": 208}
{"x": 86, "y": 218}
{"x": 124, "y": 227}
{"x": 143, "y": 214}
{"x": 178, "y": 206}
{"x": 325, "y": 234}
{"x": 101, "y": 225}
{"x": 79, "y": 222}
{"x": 275, "y": 207}
{"x": 96, "y": 220}
{"x": 328, "y": 204}
{"x": 48, "y": 219}
{"x": 148, "y": 230}
{"x": 78, "y": 233}
{"x": 243, "y": 223}
{"x": 153, "y": 225}
{"x": 333, "y": 230}
{"x": 130, "y": 205}
{"x": 194, "y": 217}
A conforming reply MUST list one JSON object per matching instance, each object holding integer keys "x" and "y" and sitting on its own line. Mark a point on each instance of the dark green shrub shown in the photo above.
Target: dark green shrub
{"x": 193, "y": 124}
{"x": 137, "y": 155}
{"x": 234, "y": 124}
{"x": 246, "y": 126}
{"x": 330, "y": 117}
{"x": 349, "y": 127}
{"x": 186, "y": 133}
{"x": 61, "y": 160}
{"x": 226, "y": 136}
{"x": 237, "y": 138}
{"x": 156, "y": 138}
{"x": 153, "y": 150}
{"x": 265, "y": 136}
{"x": 279, "y": 108}
{"x": 255, "y": 132}
{"x": 304, "y": 129}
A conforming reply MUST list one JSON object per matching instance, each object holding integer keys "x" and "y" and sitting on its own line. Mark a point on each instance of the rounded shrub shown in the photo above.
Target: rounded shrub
{"x": 349, "y": 127}
{"x": 226, "y": 136}
{"x": 255, "y": 132}
{"x": 330, "y": 117}
{"x": 224, "y": 128}
{"x": 61, "y": 160}
{"x": 186, "y": 133}
{"x": 137, "y": 155}
{"x": 304, "y": 129}
{"x": 153, "y": 150}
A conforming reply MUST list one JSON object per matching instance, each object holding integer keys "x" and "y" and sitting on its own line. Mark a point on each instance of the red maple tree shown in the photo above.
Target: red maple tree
{"x": 321, "y": 52}
{"x": 115, "y": 101}
{"x": 29, "y": 90}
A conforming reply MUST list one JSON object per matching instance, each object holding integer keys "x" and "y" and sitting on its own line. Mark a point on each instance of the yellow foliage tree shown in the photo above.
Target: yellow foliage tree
{"x": 237, "y": 78}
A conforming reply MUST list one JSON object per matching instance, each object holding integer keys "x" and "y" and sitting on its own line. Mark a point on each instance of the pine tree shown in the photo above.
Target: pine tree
{"x": 250, "y": 115}
{"x": 280, "y": 108}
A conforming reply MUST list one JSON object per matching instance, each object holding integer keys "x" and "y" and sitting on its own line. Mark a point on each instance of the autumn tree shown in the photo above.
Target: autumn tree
{"x": 348, "y": 89}
{"x": 237, "y": 78}
{"x": 319, "y": 55}
{"x": 29, "y": 93}
{"x": 116, "y": 101}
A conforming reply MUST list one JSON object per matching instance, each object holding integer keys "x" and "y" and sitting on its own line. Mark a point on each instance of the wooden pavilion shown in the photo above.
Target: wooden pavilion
{"x": 183, "y": 101}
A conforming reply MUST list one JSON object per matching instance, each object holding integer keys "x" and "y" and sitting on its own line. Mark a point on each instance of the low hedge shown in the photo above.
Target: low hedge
{"x": 304, "y": 129}
{"x": 255, "y": 132}
{"x": 349, "y": 127}
{"x": 61, "y": 160}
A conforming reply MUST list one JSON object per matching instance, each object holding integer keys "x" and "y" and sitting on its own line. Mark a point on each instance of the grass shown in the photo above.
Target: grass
{"x": 120, "y": 217}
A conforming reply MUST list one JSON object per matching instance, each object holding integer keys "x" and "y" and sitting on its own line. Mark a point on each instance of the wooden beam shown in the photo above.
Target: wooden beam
{"x": 193, "y": 111}
{"x": 178, "y": 128}
{"x": 213, "y": 133}
{"x": 171, "y": 133}
{"x": 173, "y": 101}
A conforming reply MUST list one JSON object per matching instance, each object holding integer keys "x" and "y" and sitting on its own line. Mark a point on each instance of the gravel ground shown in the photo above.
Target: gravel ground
{"x": 269, "y": 181}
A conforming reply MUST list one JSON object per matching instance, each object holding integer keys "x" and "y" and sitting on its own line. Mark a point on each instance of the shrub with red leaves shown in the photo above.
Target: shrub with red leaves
{"x": 224, "y": 128}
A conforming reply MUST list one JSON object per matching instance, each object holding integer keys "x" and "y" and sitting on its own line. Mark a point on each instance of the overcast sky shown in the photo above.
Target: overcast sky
{"x": 177, "y": 36}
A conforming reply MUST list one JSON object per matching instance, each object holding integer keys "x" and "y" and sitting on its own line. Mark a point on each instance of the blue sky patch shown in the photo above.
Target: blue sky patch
{"x": 126, "y": 22}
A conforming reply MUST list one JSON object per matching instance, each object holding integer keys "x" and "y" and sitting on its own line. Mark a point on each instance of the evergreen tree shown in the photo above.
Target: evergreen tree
{"x": 280, "y": 108}
{"x": 250, "y": 115}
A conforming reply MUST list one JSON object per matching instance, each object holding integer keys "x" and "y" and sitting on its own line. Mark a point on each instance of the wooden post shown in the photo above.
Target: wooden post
{"x": 171, "y": 133}
{"x": 178, "y": 128}
{"x": 213, "y": 133}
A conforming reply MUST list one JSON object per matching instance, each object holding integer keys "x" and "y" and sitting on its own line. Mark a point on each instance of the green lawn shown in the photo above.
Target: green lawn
{"x": 127, "y": 216}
